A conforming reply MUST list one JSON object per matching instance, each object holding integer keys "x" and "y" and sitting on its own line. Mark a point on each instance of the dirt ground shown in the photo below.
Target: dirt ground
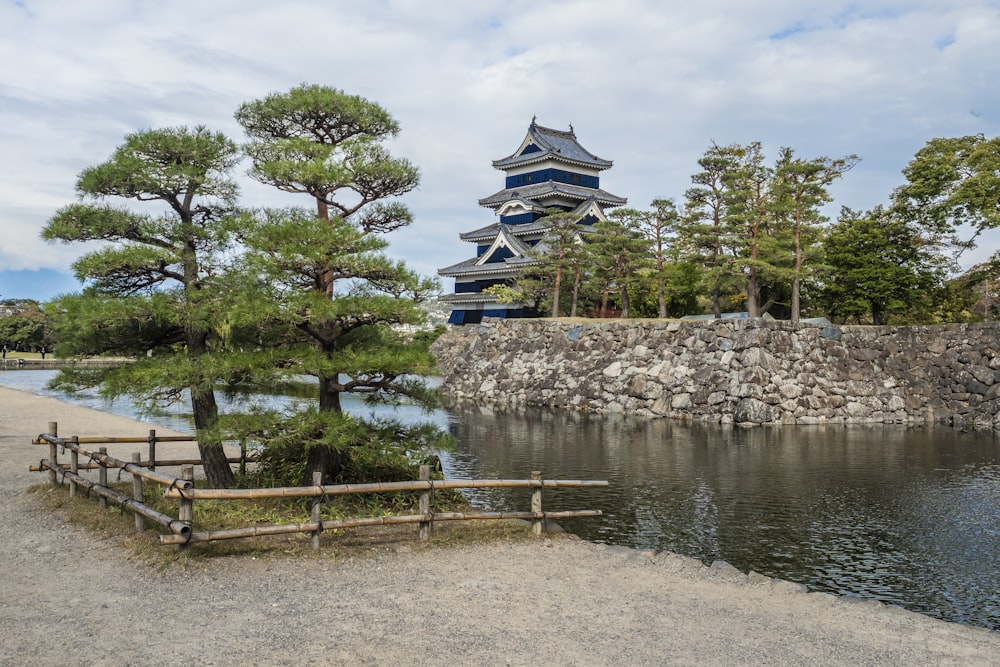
{"x": 69, "y": 597}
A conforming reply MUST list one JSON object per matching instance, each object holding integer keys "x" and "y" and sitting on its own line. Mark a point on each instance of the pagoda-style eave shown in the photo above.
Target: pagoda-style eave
{"x": 505, "y": 164}
{"x": 540, "y": 190}
{"x": 489, "y": 232}
{"x": 469, "y": 269}
{"x": 468, "y": 298}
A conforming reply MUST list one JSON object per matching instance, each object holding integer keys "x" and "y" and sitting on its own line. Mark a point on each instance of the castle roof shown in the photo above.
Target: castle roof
{"x": 542, "y": 143}
{"x": 513, "y": 252}
{"x": 540, "y": 190}
{"x": 489, "y": 232}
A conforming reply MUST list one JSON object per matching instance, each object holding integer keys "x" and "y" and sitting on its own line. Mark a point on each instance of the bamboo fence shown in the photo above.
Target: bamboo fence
{"x": 183, "y": 490}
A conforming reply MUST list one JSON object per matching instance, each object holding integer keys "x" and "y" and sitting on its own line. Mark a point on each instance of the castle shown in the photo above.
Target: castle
{"x": 549, "y": 170}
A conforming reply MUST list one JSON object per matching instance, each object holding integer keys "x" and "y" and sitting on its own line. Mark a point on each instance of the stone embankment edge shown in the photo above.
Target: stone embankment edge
{"x": 749, "y": 371}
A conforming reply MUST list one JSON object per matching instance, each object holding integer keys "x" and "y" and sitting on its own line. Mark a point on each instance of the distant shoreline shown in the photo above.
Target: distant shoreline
{"x": 36, "y": 364}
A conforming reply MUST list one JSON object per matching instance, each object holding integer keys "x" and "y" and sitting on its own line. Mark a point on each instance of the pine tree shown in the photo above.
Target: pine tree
{"x": 618, "y": 251}
{"x": 156, "y": 283}
{"x": 327, "y": 292}
{"x": 800, "y": 188}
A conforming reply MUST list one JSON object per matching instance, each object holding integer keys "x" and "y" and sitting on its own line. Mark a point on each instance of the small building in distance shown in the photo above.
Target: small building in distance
{"x": 550, "y": 169}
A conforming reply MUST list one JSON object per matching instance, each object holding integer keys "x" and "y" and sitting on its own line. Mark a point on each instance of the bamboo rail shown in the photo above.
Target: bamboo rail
{"x": 378, "y": 487}
{"x": 170, "y": 463}
{"x": 179, "y": 528}
{"x": 333, "y": 524}
{"x": 182, "y": 489}
{"x": 107, "y": 461}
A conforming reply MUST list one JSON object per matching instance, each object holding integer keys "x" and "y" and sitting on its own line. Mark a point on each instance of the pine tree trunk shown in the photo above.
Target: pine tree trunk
{"x": 661, "y": 298}
{"x": 795, "y": 300}
{"x": 555, "y": 292}
{"x": 323, "y": 458}
{"x": 205, "y": 411}
{"x": 798, "y": 271}
{"x": 576, "y": 292}
{"x": 213, "y": 457}
{"x": 752, "y": 293}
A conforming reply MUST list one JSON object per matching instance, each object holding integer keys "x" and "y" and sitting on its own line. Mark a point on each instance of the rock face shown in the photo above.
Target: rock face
{"x": 748, "y": 371}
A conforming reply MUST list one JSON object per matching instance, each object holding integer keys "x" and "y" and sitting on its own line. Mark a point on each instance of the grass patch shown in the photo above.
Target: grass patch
{"x": 117, "y": 525}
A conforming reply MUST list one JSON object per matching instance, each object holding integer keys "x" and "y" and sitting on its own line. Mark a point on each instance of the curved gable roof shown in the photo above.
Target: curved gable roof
{"x": 543, "y": 143}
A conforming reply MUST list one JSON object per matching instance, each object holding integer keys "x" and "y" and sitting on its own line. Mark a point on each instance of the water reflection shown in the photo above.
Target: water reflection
{"x": 910, "y": 516}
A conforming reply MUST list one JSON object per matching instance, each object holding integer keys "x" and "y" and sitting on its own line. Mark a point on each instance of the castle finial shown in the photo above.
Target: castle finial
{"x": 571, "y": 129}
{"x": 533, "y": 119}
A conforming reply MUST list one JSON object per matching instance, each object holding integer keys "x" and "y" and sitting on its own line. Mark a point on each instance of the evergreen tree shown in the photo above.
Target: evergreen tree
{"x": 800, "y": 188}
{"x": 704, "y": 228}
{"x": 758, "y": 244}
{"x": 879, "y": 266}
{"x": 953, "y": 182}
{"x": 24, "y": 325}
{"x": 555, "y": 253}
{"x": 618, "y": 251}
{"x": 328, "y": 292}
{"x": 660, "y": 227}
{"x": 155, "y": 284}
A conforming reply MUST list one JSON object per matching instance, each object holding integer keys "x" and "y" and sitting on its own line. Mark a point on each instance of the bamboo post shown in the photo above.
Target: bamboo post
{"x": 140, "y": 523}
{"x": 426, "y": 527}
{"x": 102, "y": 477}
{"x": 317, "y": 507}
{"x": 186, "y": 513}
{"x": 74, "y": 467}
{"x": 536, "y": 503}
{"x": 152, "y": 449}
{"x": 53, "y": 450}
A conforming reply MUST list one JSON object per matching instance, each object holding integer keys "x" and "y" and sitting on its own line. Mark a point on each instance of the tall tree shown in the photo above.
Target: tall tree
{"x": 555, "y": 252}
{"x": 748, "y": 212}
{"x": 330, "y": 288}
{"x": 879, "y": 266}
{"x": 618, "y": 252}
{"x": 162, "y": 271}
{"x": 705, "y": 219}
{"x": 799, "y": 190}
{"x": 660, "y": 227}
{"x": 24, "y": 325}
{"x": 953, "y": 182}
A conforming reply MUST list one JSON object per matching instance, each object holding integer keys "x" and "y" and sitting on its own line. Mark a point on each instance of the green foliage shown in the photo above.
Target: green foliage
{"x": 376, "y": 450}
{"x": 617, "y": 251}
{"x": 953, "y": 182}
{"x": 798, "y": 191}
{"x": 24, "y": 325}
{"x": 879, "y": 267}
{"x": 322, "y": 142}
{"x": 425, "y": 338}
{"x": 318, "y": 289}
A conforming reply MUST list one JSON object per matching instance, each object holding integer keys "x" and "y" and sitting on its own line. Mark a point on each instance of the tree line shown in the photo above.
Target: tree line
{"x": 24, "y": 327}
{"x": 750, "y": 236}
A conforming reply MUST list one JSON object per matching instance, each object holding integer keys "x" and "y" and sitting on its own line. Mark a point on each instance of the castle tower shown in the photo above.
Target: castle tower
{"x": 550, "y": 169}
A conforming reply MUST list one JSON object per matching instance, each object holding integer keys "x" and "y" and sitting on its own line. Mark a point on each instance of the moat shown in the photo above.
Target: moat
{"x": 906, "y": 515}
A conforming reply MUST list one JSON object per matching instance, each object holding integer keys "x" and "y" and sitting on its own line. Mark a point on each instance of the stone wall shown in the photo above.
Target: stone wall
{"x": 743, "y": 371}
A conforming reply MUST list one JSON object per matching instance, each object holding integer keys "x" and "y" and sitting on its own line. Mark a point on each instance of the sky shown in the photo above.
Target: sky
{"x": 649, "y": 84}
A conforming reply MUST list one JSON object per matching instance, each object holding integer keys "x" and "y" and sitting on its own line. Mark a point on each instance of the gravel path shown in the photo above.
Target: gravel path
{"x": 67, "y": 597}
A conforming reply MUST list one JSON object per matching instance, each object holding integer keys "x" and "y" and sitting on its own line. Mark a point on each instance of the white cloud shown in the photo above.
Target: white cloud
{"x": 645, "y": 83}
